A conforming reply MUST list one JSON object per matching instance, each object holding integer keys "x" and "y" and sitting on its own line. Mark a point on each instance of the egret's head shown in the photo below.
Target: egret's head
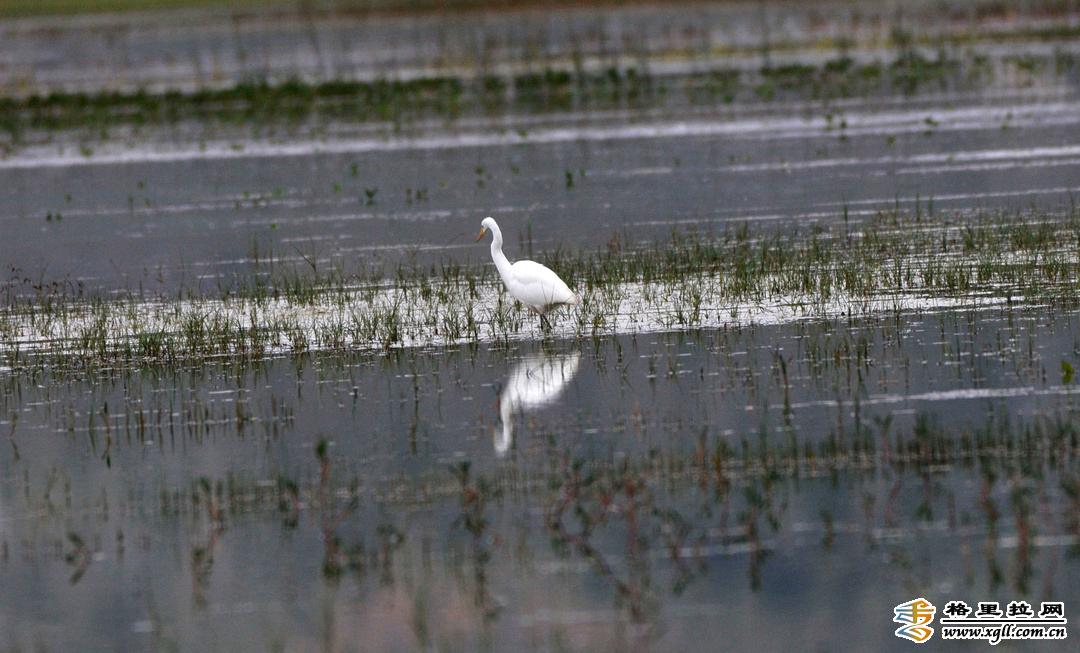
{"x": 486, "y": 225}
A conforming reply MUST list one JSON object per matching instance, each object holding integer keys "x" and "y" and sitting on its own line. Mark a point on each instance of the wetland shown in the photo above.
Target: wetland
{"x": 260, "y": 390}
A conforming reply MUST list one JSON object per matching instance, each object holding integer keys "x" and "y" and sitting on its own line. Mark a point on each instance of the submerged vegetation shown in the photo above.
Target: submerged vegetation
{"x": 639, "y": 512}
{"x": 649, "y": 524}
{"x": 896, "y": 260}
{"x": 345, "y": 437}
{"x": 551, "y": 90}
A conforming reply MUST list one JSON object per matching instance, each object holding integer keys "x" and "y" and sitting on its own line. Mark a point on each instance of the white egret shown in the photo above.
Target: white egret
{"x": 529, "y": 282}
{"x": 536, "y": 381}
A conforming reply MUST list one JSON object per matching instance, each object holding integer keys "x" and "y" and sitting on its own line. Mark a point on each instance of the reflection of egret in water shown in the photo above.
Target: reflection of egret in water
{"x": 536, "y": 380}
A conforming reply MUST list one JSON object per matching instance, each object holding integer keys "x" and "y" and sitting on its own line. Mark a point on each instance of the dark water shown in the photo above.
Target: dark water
{"x": 205, "y": 222}
{"x": 201, "y": 510}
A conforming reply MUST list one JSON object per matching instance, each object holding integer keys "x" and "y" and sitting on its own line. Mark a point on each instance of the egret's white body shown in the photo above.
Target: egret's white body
{"x": 536, "y": 380}
{"x": 529, "y": 282}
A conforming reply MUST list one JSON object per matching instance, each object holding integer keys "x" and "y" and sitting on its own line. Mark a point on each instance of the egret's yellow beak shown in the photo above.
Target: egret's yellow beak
{"x": 483, "y": 230}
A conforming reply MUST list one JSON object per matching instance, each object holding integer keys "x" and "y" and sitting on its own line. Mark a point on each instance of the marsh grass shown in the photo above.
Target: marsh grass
{"x": 645, "y": 519}
{"x": 399, "y": 103}
{"x": 648, "y": 525}
{"x": 896, "y": 260}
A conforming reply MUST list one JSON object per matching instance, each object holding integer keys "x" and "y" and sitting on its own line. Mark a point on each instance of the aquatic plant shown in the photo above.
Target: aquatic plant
{"x": 893, "y": 261}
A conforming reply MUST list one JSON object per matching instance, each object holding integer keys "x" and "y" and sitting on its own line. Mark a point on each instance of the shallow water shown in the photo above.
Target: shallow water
{"x": 118, "y": 461}
{"x": 199, "y": 205}
{"x": 213, "y": 47}
{"x": 157, "y": 222}
{"x": 780, "y": 468}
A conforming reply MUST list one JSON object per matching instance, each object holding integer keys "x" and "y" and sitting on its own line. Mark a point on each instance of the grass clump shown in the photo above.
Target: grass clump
{"x": 894, "y": 260}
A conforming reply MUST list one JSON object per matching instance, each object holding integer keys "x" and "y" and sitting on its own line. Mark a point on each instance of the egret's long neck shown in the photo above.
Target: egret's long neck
{"x": 497, "y": 254}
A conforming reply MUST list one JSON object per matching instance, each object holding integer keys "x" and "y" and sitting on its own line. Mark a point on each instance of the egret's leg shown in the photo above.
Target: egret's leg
{"x": 545, "y": 326}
